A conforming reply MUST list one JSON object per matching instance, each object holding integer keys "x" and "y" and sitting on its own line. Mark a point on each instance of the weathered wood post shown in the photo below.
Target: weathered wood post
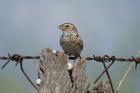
{"x": 55, "y": 77}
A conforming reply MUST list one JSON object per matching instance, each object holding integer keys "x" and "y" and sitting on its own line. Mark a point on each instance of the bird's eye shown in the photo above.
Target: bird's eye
{"x": 67, "y": 26}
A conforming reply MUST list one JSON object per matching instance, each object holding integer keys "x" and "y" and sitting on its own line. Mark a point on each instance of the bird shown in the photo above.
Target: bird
{"x": 70, "y": 40}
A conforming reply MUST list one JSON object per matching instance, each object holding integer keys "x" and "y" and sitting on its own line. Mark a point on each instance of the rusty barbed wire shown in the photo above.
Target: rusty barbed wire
{"x": 105, "y": 58}
{"x": 17, "y": 57}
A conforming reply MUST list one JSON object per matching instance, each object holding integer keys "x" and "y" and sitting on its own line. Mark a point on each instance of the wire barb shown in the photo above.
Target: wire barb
{"x": 15, "y": 57}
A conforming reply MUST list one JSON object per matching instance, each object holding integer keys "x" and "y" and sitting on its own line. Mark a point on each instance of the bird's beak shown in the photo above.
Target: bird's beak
{"x": 60, "y": 27}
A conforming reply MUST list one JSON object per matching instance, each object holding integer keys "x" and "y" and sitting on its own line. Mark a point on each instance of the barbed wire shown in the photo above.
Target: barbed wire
{"x": 106, "y": 58}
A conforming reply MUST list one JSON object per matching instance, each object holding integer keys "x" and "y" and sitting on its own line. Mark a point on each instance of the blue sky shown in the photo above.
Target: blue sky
{"x": 106, "y": 27}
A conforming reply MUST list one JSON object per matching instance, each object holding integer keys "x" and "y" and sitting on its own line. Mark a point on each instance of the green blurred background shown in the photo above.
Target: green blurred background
{"x": 106, "y": 27}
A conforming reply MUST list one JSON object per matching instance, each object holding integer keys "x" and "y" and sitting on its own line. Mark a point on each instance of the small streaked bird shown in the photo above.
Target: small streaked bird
{"x": 70, "y": 40}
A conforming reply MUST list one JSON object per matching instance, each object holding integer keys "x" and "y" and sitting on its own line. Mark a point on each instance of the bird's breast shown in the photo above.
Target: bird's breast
{"x": 69, "y": 44}
{"x": 69, "y": 36}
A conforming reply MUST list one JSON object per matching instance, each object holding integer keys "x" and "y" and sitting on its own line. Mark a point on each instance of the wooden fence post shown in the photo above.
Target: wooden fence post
{"x": 55, "y": 77}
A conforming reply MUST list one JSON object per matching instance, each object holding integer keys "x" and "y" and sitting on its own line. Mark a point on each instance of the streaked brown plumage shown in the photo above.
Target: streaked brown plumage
{"x": 70, "y": 40}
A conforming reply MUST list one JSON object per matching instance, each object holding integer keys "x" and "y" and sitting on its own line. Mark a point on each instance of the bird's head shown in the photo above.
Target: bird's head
{"x": 68, "y": 27}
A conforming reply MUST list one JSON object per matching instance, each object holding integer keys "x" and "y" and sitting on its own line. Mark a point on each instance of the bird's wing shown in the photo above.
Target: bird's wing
{"x": 61, "y": 40}
{"x": 80, "y": 42}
